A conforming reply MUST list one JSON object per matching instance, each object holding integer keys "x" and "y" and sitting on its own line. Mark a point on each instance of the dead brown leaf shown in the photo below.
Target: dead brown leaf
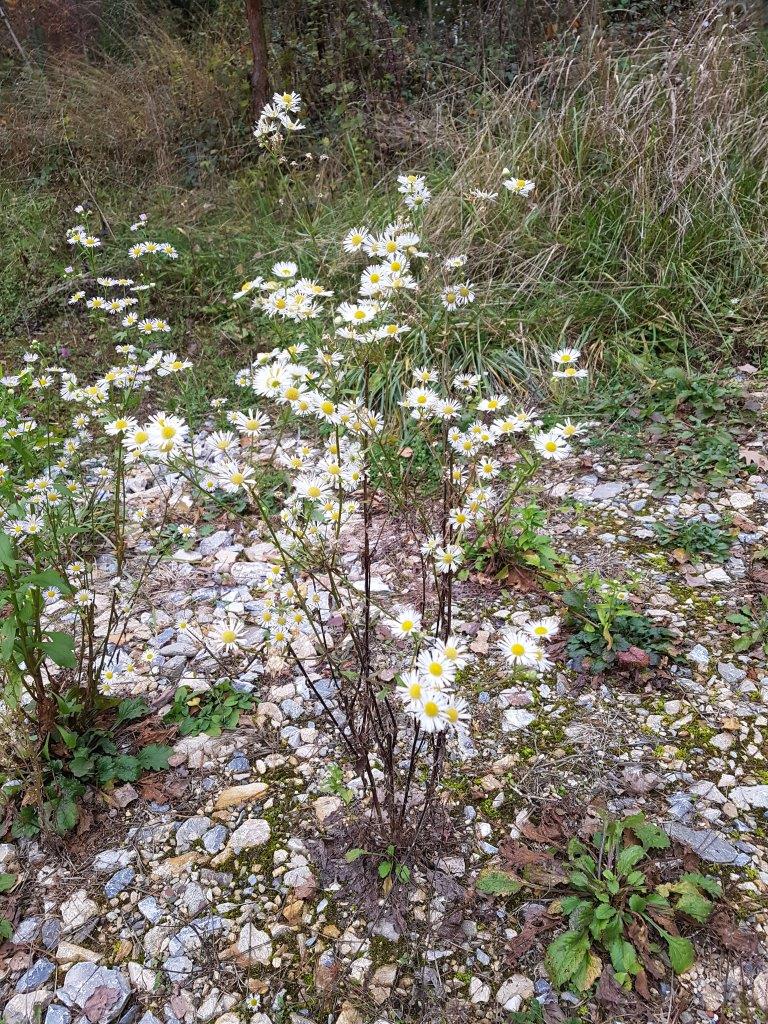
{"x": 101, "y": 1000}
{"x": 536, "y": 926}
{"x": 611, "y": 995}
{"x": 731, "y": 935}
{"x": 634, "y": 657}
{"x": 538, "y": 867}
{"x": 754, "y": 457}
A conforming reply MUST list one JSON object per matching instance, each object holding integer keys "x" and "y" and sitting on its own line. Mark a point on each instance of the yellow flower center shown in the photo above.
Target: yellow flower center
{"x": 431, "y": 710}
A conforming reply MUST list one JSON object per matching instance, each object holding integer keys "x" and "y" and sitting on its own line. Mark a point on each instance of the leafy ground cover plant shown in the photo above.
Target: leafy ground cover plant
{"x": 681, "y": 424}
{"x": 752, "y": 621}
{"x": 77, "y": 755}
{"x": 608, "y": 630}
{"x": 618, "y": 908}
{"x": 389, "y": 868}
{"x": 694, "y": 538}
{"x": 211, "y": 711}
{"x": 684, "y": 456}
{"x": 518, "y": 540}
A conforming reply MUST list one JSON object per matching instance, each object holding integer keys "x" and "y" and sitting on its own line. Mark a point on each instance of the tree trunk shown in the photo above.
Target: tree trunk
{"x": 254, "y": 10}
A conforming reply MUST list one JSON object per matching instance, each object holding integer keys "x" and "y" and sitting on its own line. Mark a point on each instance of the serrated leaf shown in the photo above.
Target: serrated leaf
{"x": 81, "y": 765}
{"x": 628, "y": 857}
{"x": 565, "y": 956}
{"x": 695, "y": 906}
{"x": 651, "y": 836}
{"x": 682, "y": 955}
{"x": 496, "y": 882}
{"x": 588, "y": 973}
{"x": 154, "y": 757}
{"x": 705, "y": 882}
{"x": 130, "y": 709}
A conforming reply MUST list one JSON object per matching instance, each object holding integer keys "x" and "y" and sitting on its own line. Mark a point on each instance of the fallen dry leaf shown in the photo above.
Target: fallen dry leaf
{"x": 101, "y": 1000}
{"x": 634, "y": 657}
{"x": 753, "y": 457}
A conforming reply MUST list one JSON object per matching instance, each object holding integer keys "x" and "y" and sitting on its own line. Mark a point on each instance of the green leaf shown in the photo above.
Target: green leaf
{"x": 82, "y": 765}
{"x": 47, "y": 578}
{"x": 130, "y": 709}
{"x": 681, "y": 952}
{"x": 60, "y": 648}
{"x": 705, "y": 882}
{"x": 745, "y": 642}
{"x": 385, "y": 868}
{"x": 7, "y": 882}
{"x": 6, "y": 929}
{"x": 124, "y": 768}
{"x": 628, "y": 857}
{"x": 651, "y": 836}
{"x": 623, "y": 956}
{"x": 69, "y": 738}
{"x": 498, "y": 883}
{"x": 695, "y": 906}
{"x": 26, "y": 825}
{"x": 604, "y": 912}
{"x": 7, "y": 637}
{"x": 66, "y": 814}
{"x": 566, "y": 955}
{"x": 154, "y": 757}
{"x": 6, "y": 551}
{"x": 352, "y": 855}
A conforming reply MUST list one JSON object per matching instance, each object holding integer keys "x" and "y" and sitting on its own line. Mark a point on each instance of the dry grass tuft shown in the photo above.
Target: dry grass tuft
{"x": 650, "y": 214}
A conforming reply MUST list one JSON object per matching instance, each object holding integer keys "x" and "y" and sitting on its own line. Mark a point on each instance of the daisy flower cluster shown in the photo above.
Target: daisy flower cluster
{"x": 284, "y": 295}
{"x": 565, "y": 360}
{"x": 80, "y": 235}
{"x": 414, "y": 189}
{"x": 426, "y": 688}
{"x": 153, "y": 249}
{"x": 275, "y": 121}
{"x": 522, "y": 646}
{"x": 125, "y": 291}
